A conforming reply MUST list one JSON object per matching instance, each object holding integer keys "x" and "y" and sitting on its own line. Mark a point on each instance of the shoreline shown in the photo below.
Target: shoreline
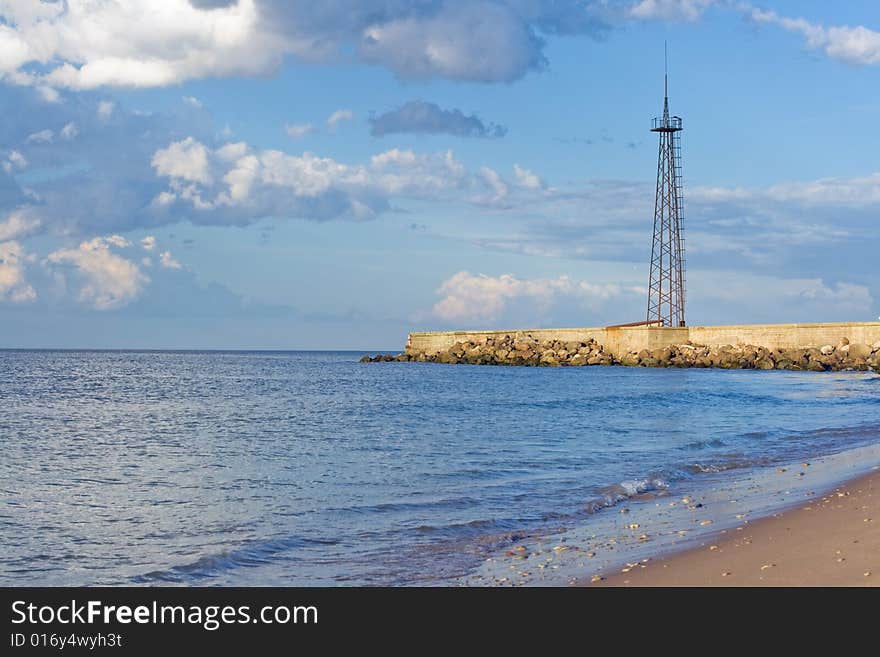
{"x": 665, "y": 525}
{"x": 831, "y": 539}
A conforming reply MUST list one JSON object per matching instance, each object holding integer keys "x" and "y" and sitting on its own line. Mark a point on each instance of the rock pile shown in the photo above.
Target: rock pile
{"x": 519, "y": 350}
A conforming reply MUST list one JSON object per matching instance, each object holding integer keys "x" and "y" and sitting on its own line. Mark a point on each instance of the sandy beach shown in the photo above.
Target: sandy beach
{"x": 830, "y": 540}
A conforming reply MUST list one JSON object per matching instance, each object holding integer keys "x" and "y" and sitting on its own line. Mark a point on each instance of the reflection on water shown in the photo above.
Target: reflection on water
{"x": 310, "y": 468}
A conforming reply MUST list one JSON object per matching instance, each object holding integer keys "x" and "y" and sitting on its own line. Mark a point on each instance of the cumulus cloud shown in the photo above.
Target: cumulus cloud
{"x": 338, "y": 117}
{"x": 298, "y": 130}
{"x": 250, "y": 183}
{"x": 69, "y": 131}
{"x": 857, "y": 191}
{"x": 185, "y": 160}
{"x": 671, "y": 10}
{"x": 18, "y": 224}
{"x": 469, "y": 297}
{"x": 421, "y": 117}
{"x": 720, "y": 294}
{"x": 148, "y": 243}
{"x": 105, "y": 109}
{"x": 139, "y": 43}
{"x": 95, "y": 176}
{"x": 43, "y": 136}
{"x": 167, "y": 261}
{"x": 48, "y": 94}
{"x": 495, "y": 183}
{"x": 13, "y": 286}
{"x": 526, "y": 178}
{"x": 472, "y": 41}
{"x": 853, "y": 45}
{"x": 104, "y": 279}
{"x": 143, "y": 170}
{"x": 13, "y": 160}
{"x": 136, "y": 43}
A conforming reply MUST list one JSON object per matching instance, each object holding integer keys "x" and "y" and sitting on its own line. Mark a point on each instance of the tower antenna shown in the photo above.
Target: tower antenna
{"x": 666, "y": 286}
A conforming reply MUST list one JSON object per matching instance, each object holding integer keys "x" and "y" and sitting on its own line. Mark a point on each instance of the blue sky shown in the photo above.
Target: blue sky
{"x": 267, "y": 174}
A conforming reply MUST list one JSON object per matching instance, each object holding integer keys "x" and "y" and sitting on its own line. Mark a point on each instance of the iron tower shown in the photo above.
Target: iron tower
{"x": 666, "y": 288}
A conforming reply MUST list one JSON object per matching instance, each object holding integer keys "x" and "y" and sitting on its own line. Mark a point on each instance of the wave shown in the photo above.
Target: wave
{"x": 250, "y": 555}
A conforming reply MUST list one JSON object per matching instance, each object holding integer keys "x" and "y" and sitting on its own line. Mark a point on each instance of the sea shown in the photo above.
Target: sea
{"x": 310, "y": 468}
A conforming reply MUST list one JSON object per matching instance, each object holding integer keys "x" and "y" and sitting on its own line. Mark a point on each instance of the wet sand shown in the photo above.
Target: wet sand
{"x": 830, "y": 540}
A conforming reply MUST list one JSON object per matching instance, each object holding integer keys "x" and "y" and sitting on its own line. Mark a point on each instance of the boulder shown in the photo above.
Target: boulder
{"x": 859, "y": 350}
{"x": 826, "y": 350}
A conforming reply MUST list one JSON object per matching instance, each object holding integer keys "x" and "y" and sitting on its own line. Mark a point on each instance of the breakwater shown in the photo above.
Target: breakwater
{"x": 815, "y": 347}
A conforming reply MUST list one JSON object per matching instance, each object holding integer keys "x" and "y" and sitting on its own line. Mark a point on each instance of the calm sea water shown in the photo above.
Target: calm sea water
{"x": 309, "y": 468}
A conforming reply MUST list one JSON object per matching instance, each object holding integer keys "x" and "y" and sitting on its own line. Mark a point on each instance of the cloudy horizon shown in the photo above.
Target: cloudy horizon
{"x": 262, "y": 174}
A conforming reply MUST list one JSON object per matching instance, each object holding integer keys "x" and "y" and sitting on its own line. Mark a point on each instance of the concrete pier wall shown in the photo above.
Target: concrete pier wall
{"x": 620, "y": 341}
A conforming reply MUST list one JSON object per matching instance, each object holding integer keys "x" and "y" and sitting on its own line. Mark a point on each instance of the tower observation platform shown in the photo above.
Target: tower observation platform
{"x": 666, "y": 124}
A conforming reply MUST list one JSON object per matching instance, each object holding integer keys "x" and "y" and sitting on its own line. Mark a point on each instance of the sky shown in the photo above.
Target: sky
{"x": 268, "y": 174}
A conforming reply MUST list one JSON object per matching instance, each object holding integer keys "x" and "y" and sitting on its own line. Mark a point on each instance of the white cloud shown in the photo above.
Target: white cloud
{"x": 257, "y": 182}
{"x": 105, "y": 108}
{"x": 298, "y": 130}
{"x": 192, "y": 101}
{"x": 233, "y": 151}
{"x": 14, "y": 160}
{"x": 106, "y": 280}
{"x": 338, "y": 117}
{"x": 726, "y": 295}
{"x": 41, "y": 137}
{"x": 48, "y": 94}
{"x": 859, "y": 191}
{"x": 469, "y": 297}
{"x": 168, "y": 261}
{"x": 670, "y": 10}
{"x": 477, "y": 41}
{"x": 527, "y": 179}
{"x": 164, "y": 199}
{"x": 853, "y": 45}
{"x": 148, "y": 243}
{"x": 137, "y": 43}
{"x": 186, "y": 160}
{"x": 13, "y": 286}
{"x": 495, "y": 183}
{"x": 240, "y": 178}
{"x": 69, "y": 131}
{"x": 84, "y": 44}
{"x": 17, "y": 224}
{"x": 113, "y": 240}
